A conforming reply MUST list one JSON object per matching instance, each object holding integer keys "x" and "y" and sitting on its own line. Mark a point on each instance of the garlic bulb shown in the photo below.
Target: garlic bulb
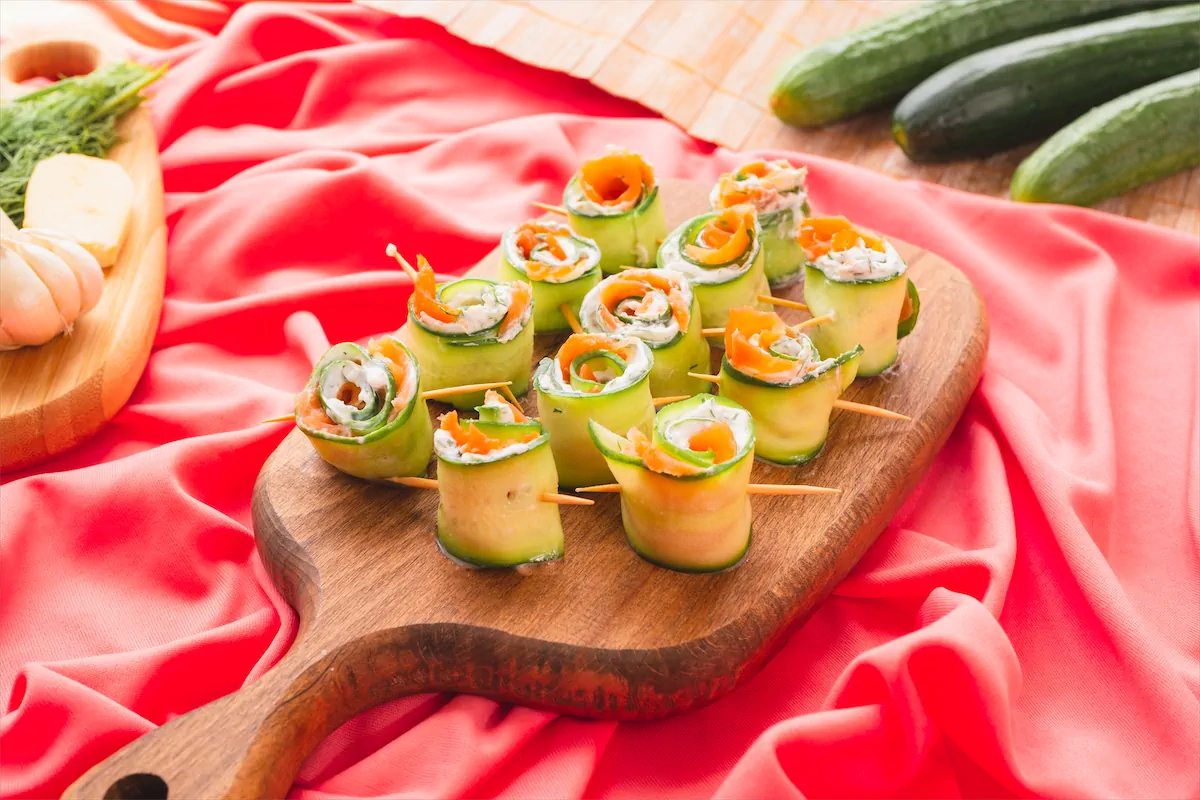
{"x": 46, "y": 281}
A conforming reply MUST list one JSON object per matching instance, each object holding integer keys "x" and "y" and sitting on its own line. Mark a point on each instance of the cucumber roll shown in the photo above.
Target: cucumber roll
{"x": 614, "y": 201}
{"x": 659, "y": 307}
{"x": 593, "y": 377}
{"x": 778, "y": 193}
{"x": 721, "y": 254}
{"x": 778, "y": 375}
{"x": 492, "y": 473}
{"x": 860, "y": 280}
{"x": 560, "y": 266}
{"x": 684, "y": 501}
{"x": 363, "y": 412}
{"x": 472, "y": 330}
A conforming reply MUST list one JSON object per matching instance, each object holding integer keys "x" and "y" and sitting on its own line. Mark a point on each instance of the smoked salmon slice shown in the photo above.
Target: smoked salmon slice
{"x": 616, "y": 178}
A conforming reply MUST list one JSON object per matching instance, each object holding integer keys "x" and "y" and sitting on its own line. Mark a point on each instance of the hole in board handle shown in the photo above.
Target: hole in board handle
{"x": 138, "y": 786}
{"x": 50, "y": 60}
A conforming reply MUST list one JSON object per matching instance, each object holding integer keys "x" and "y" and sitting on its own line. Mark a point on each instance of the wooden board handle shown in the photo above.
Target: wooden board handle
{"x": 251, "y": 744}
{"x": 48, "y": 59}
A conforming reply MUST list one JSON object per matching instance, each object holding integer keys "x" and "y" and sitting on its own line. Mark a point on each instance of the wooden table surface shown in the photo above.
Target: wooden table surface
{"x": 708, "y": 65}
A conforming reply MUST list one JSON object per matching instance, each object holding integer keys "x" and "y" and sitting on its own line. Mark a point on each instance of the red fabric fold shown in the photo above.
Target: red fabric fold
{"x": 1029, "y": 624}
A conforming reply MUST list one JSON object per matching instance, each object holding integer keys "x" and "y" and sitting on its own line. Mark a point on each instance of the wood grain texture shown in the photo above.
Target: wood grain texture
{"x": 601, "y": 633}
{"x": 54, "y": 396}
{"x": 709, "y": 66}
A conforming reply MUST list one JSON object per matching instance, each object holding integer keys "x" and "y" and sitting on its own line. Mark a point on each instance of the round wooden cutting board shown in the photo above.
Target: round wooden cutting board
{"x": 601, "y": 633}
{"x": 54, "y": 396}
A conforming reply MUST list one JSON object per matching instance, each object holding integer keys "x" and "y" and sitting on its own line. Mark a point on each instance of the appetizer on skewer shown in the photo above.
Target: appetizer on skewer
{"x": 560, "y": 266}
{"x": 593, "y": 377}
{"x": 363, "y": 411}
{"x": 860, "y": 280}
{"x": 777, "y": 191}
{"x": 614, "y": 201}
{"x": 659, "y": 307}
{"x": 778, "y": 375}
{"x": 721, "y": 254}
{"x": 470, "y": 330}
{"x": 493, "y": 475}
{"x": 684, "y": 502}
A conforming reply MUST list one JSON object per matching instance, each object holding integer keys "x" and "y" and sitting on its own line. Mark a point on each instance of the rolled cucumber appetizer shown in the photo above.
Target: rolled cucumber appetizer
{"x": 472, "y": 330}
{"x": 778, "y": 194}
{"x": 721, "y": 254}
{"x": 593, "y": 377}
{"x": 492, "y": 473}
{"x": 779, "y": 377}
{"x": 363, "y": 412}
{"x": 860, "y": 280}
{"x": 561, "y": 266}
{"x": 684, "y": 502}
{"x": 659, "y": 307}
{"x": 614, "y": 201}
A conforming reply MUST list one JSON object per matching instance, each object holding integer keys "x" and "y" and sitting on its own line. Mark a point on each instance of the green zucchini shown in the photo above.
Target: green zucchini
{"x": 565, "y": 410}
{"x": 381, "y": 440}
{"x": 1139, "y": 137}
{"x": 878, "y": 62}
{"x": 677, "y": 351}
{"x": 1019, "y": 92}
{"x": 719, "y": 287}
{"x": 549, "y": 296}
{"x": 696, "y": 523}
{"x": 791, "y": 420}
{"x": 474, "y": 356}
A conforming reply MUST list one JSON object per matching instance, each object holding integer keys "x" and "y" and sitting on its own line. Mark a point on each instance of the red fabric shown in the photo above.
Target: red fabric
{"x": 1028, "y": 625}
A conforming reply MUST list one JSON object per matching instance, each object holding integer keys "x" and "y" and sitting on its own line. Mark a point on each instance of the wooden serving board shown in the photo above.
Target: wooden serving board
{"x": 601, "y": 633}
{"x": 54, "y": 396}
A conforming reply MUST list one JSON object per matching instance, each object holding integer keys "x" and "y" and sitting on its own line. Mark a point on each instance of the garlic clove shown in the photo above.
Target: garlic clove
{"x": 54, "y": 272}
{"x": 85, "y": 266}
{"x": 28, "y": 314}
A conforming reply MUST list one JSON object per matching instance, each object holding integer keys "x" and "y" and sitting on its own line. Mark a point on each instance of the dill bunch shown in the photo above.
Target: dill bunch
{"x": 74, "y": 115}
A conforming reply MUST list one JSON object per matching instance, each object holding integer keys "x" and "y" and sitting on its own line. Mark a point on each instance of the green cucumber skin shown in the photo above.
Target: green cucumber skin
{"x": 491, "y": 515}
{"x": 672, "y": 363}
{"x": 877, "y": 63}
{"x": 625, "y": 240}
{"x": 444, "y": 364}
{"x": 1139, "y": 137}
{"x": 791, "y": 423}
{"x": 700, "y": 525}
{"x": 1019, "y": 92}
{"x": 566, "y": 417}
{"x": 549, "y": 298}
{"x": 865, "y": 314}
{"x": 783, "y": 257}
{"x": 403, "y": 452}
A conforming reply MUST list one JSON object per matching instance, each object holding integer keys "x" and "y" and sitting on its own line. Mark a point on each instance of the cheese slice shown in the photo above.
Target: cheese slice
{"x": 88, "y": 199}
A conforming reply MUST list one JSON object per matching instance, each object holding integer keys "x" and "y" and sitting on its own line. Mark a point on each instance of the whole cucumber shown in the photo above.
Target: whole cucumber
{"x": 1139, "y": 137}
{"x": 879, "y": 62}
{"x": 1025, "y": 90}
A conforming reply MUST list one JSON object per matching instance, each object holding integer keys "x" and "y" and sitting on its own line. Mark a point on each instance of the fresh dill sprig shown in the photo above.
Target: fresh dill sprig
{"x": 74, "y": 115}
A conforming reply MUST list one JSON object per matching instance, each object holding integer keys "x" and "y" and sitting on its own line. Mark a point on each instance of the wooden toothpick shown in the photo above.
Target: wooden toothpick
{"x": 285, "y": 418}
{"x": 702, "y": 376}
{"x": 666, "y": 401}
{"x": 409, "y": 269}
{"x": 572, "y": 320}
{"x": 754, "y": 488}
{"x": 434, "y": 394}
{"x": 546, "y": 497}
{"x": 547, "y": 207}
{"x": 779, "y": 301}
{"x": 871, "y": 411}
{"x": 809, "y": 323}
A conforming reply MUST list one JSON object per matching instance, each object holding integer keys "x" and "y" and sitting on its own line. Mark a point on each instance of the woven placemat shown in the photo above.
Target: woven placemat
{"x": 708, "y": 65}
